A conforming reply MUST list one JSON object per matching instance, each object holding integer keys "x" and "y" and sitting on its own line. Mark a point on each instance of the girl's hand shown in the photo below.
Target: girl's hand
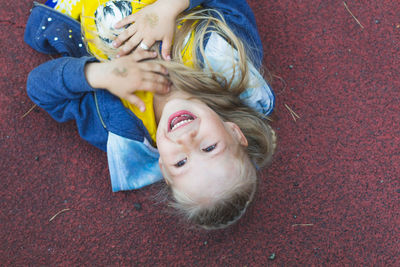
{"x": 126, "y": 75}
{"x": 155, "y": 22}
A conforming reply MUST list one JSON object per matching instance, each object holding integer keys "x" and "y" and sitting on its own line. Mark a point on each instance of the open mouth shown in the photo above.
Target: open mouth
{"x": 180, "y": 119}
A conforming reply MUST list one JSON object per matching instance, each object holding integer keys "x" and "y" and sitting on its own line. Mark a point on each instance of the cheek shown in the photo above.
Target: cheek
{"x": 165, "y": 148}
{"x": 162, "y": 148}
{"x": 214, "y": 123}
{"x": 159, "y": 138}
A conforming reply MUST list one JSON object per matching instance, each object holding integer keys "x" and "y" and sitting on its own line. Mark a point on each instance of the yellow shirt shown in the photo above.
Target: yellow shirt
{"x": 85, "y": 12}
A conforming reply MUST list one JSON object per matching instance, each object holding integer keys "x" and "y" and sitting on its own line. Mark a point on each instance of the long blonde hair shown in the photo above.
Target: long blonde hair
{"x": 222, "y": 95}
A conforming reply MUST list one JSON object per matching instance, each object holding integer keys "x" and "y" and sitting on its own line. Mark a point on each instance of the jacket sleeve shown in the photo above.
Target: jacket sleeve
{"x": 240, "y": 18}
{"x": 51, "y": 32}
{"x": 60, "y": 87}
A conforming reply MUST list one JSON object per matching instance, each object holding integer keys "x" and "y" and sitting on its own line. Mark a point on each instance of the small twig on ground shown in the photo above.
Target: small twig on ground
{"x": 303, "y": 224}
{"x": 294, "y": 115}
{"x": 354, "y": 17}
{"x": 283, "y": 82}
{"x": 58, "y": 213}
{"x": 51, "y": 57}
{"x": 29, "y": 111}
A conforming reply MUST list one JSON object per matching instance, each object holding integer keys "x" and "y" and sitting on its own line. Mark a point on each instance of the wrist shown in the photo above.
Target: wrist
{"x": 95, "y": 73}
{"x": 176, "y": 6}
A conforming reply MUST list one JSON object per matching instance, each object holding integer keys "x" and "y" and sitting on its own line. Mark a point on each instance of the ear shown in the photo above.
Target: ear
{"x": 160, "y": 163}
{"x": 237, "y": 133}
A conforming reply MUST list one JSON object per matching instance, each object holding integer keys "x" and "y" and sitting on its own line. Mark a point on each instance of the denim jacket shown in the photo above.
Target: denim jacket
{"x": 60, "y": 87}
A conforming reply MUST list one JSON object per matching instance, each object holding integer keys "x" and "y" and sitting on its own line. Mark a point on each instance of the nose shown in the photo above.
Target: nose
{"x": 188, "y": 138}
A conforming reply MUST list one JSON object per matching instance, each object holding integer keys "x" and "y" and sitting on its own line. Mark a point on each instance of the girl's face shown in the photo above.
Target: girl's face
{"x": 198, "y": 151}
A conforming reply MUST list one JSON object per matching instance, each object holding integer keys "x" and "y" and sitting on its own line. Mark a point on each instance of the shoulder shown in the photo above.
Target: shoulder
{"x": 132, "y": 164}
{"x": 52, "y": 32}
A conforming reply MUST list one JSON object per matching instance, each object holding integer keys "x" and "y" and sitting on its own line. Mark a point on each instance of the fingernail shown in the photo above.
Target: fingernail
{"x": 142, "y": 109}
{"x": 114, "y": 44}
{"x": 117, "y": 56}
{"x": 168, "y": 57}
{"x": 154, "y": 54}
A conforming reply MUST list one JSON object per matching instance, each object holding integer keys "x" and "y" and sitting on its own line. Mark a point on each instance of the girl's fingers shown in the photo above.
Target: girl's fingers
{"x": 157, "y": 78}
{"x": 153, "y": 67}
{"x": 129, "y": 45}
{"x": 166, "y": 49}
{"x": 140, "y": 54}
{"x": 126, "y": 34}
{"x": 155, "y": 84}
{"x": 148, "y": 42}
{"x": 136, "y": 101}
{"x": 125, "y": 21}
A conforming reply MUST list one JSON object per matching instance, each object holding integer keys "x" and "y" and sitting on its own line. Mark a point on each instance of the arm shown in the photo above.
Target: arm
{"x": 64, "y": 87}
{"x": 240, "y": 18}
{"x": 51, "y": 32}
{"x": 59, "y": 87}
{"x": 56, "y": 83}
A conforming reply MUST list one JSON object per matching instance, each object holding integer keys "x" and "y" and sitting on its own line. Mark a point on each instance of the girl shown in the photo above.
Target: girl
{"x": 207, "y": 138}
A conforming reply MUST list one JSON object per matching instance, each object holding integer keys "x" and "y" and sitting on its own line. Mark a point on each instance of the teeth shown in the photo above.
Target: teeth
{"x": 181, "y": 123}
{"x": 173, "y": 121}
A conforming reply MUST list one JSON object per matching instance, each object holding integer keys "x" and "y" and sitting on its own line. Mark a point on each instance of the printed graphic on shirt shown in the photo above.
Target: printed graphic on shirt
{"x": 71, "y": 8}
{"x": 107, "y": 15}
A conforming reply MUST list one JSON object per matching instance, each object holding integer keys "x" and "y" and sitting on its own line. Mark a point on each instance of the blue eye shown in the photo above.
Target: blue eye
{"x": 210, "y": 148}
{"x": 180, "y": 163}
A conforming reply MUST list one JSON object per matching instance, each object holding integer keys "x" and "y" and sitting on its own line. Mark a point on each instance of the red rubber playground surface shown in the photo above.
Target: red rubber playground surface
{"x": 330, "y": 198}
